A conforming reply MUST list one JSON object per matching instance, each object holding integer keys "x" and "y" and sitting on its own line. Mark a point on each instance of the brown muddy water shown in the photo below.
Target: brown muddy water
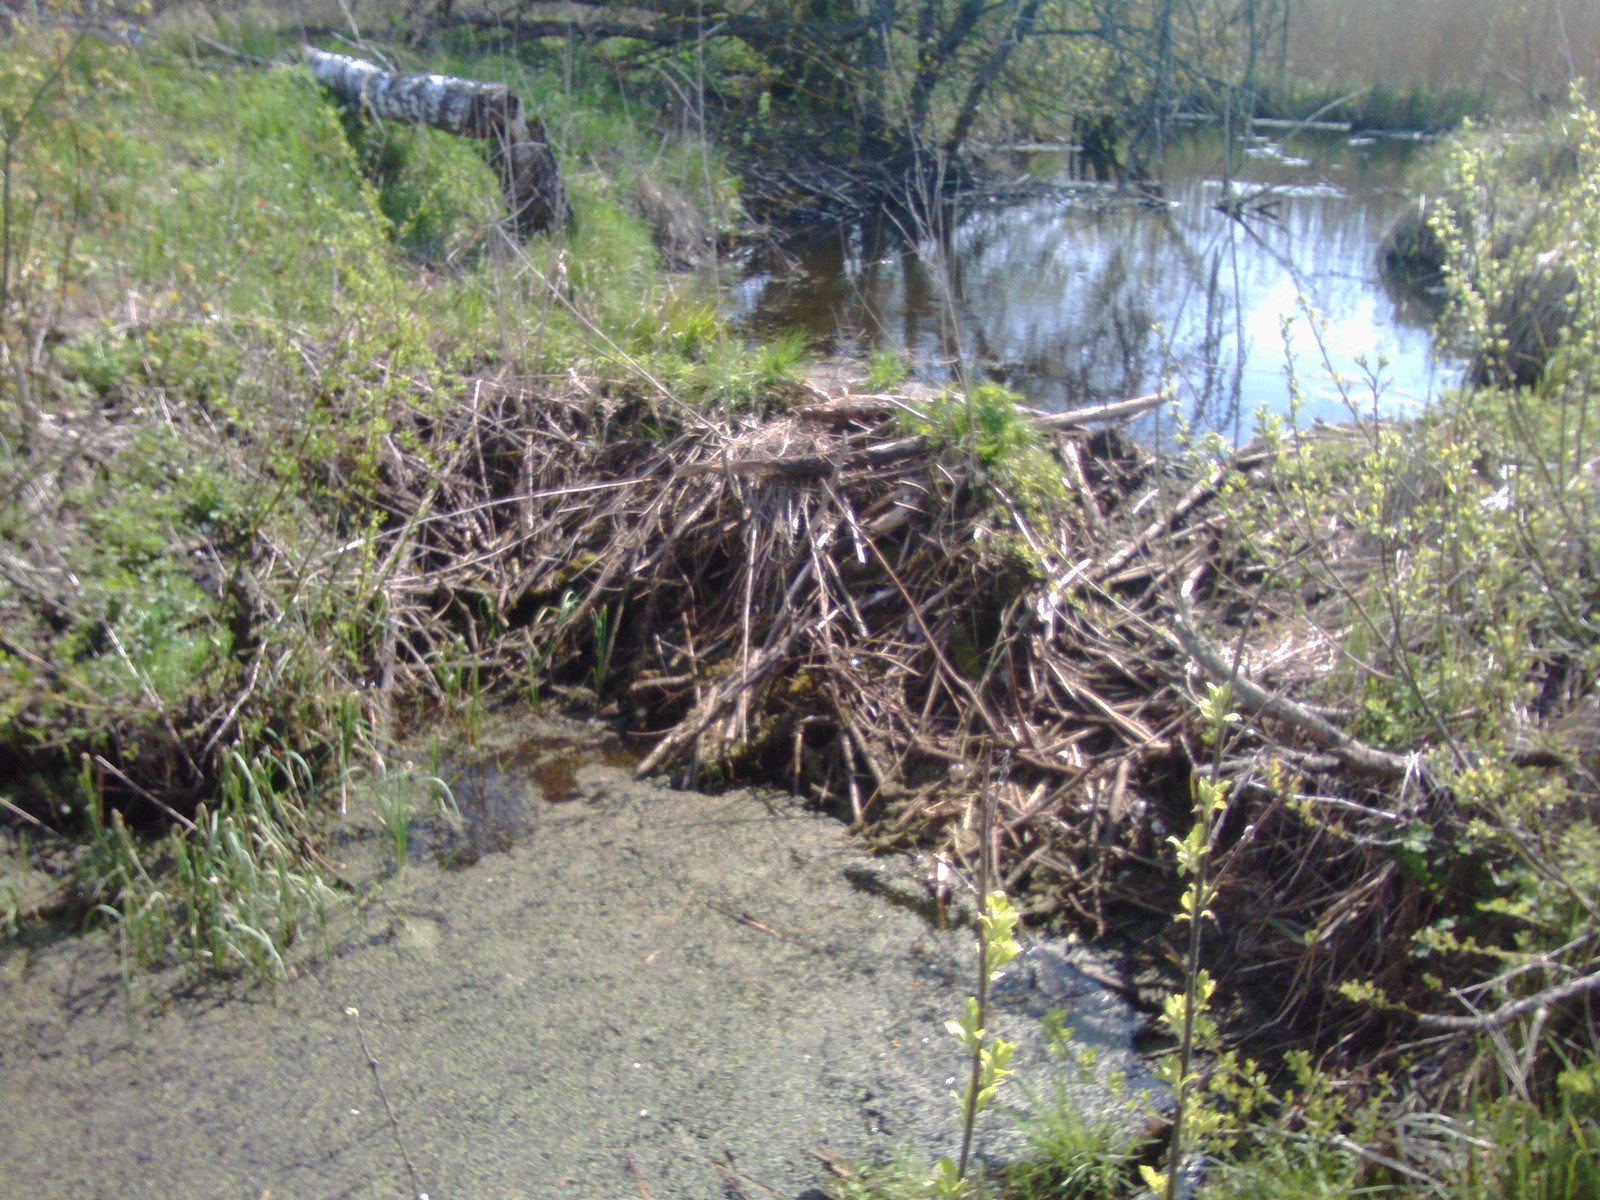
{"x": 1085, "y": 294}
{"x": 592, "y": 987}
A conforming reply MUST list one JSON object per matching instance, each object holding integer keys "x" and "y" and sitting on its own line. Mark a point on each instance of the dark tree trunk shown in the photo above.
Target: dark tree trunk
{"x": 1163, "y": 91}
{"x": 932, "y": 55}
{"x": 875, "y": 72}
{"x": 1021, "y": 29}
{"x": 530, "y": 180}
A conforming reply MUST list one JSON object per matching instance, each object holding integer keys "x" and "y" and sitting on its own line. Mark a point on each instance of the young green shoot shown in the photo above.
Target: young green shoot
{"x": 1185, "y": 1013}
{"x": 990, "y": 1056}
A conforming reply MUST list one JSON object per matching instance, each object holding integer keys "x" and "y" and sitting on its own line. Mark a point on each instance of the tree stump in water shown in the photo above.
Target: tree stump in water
{"x": 519, "y": 152}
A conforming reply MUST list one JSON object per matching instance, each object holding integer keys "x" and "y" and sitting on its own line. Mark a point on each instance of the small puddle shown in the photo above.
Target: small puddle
{"x": 497, "y": 799}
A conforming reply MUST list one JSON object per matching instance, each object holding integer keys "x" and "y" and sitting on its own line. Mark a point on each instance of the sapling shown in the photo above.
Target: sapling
{"x": 1186, "y": 1013}
{"x": 991, "y": 1057}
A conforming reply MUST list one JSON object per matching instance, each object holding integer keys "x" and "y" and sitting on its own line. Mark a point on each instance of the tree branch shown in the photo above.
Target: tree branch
{"x": 1506, "y": 1013}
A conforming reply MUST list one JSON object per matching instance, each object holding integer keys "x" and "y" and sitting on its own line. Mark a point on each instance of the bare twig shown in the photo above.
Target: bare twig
{"x": 383, "y": 1094}
{"x": 1510, "y": 1011}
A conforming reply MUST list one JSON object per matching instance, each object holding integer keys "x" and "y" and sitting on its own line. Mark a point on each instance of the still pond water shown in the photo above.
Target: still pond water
{"x": 1076, "y": 296}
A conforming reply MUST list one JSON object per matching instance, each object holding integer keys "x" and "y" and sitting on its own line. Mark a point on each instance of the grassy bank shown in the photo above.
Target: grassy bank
{"x": 238, "y": 332}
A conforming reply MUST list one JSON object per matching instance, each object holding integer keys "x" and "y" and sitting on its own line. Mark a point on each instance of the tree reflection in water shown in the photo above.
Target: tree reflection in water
{"x": 1077, "y": 303}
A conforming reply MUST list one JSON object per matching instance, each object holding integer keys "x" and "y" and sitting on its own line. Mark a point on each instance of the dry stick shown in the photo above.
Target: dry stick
{"x": 730, "y": 1180}
{"x": 1248, "y": 457}
{"x": 106, "y": 765}
{"x": 153, "y": 698}
{"x": 637, "y": 1178}
{"x": 1507, "y": 1013}
{"x": 814, "y": 466}
{"x": 827, "y": 565}
{"x": 23, "y": 814}
{"x": 245, "y": 693}
{"x": 741, "y": 714}
{"x": 850, "y": 783}
{"x": 1133, "y": 730}
{"x": 732, "y": 1175}
{"x": 743, "y": 919}
{"x": 784, "y": 631}
{"x": 1092, "y": 515}
{"x": 1352, "y": 753}
{"x": 394, "y": 1123}
{"x": 879, "y": 775}
{"x": 915, "y": 611}
{"x": 1100, "y": 413}
{"x": 620, "y": 560}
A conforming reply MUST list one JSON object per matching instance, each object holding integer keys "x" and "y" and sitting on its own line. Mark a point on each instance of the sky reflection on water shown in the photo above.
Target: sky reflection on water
{"x": 1073, "y": 307}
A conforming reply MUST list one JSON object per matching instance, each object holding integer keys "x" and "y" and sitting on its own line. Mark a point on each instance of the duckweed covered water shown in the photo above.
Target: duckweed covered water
{"x": 638, "y": 991}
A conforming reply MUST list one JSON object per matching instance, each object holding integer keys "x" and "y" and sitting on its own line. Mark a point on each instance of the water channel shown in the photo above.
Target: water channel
{"x": 1083, "y": 294}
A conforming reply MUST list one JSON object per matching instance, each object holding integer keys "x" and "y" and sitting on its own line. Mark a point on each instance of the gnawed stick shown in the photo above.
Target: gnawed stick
{"x": 1506, "y": 1013}
{"x": 751, "y": 672}
{"x": 1093, "y": 517}
{"x": 1250, "y": 456}
{"x": 1100, "y": 413}
{"x": 866, "y": 408}
{"x": 1352, "y": 753}
{"x": 686, "y": 732}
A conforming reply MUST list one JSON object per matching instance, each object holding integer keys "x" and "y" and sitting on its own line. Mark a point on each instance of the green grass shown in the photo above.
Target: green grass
{"x": 1377, "y": 108}
{"x": 887, "y": 367}
{"x": 1073, "y": 1153}
{"x": 244, "y": 304}
{"x": 985, "y": 425}
{"x": 228, "y": 893}
{"x": 400, "y": 798}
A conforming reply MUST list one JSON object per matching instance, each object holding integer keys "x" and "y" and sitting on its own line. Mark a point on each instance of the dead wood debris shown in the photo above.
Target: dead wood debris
{"x": 831, "y": 599}
{"x": 822, "y": 599}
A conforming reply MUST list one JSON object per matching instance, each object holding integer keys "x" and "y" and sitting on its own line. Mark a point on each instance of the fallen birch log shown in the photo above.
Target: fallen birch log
{"x": 521, "y": 156}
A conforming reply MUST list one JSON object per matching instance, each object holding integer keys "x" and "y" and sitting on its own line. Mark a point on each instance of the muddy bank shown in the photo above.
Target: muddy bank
{"x": 637, "y": 991}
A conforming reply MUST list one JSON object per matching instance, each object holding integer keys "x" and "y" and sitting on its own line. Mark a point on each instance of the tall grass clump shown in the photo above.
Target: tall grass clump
{"x": 985, "y": 425}
{"x": 227, "y": 892}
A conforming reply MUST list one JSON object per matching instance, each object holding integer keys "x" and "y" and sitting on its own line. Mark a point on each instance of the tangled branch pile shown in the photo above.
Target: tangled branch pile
{"x": 894, "y": 605}
{"x": 861, "y": 599}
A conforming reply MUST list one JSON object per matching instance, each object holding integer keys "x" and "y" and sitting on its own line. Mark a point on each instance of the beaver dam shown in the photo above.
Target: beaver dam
{"x": 893, "y": 605}
{"x": 898, "y": 606}
{"x": 906, "y": 608}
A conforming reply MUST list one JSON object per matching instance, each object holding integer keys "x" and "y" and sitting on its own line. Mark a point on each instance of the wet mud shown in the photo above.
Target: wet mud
{"x": 628, "y": 990}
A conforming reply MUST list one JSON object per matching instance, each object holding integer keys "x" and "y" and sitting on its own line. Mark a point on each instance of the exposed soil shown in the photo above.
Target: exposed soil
{"x": 636, "y": 992}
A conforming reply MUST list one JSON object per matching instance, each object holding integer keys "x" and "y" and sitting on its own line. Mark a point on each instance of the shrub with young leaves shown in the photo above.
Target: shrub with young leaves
{"x": 1437, "y": 583}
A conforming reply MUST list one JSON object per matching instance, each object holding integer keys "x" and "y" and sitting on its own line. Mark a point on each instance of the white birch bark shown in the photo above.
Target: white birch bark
{"x": 521, "y": 156}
